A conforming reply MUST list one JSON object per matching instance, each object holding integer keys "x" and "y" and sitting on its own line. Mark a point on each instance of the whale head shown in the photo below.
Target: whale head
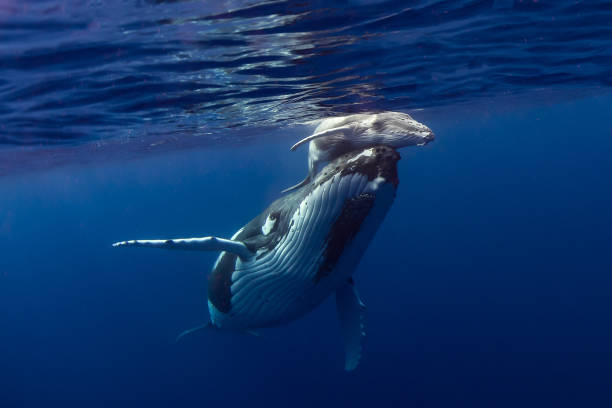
{"x": 395, "y": 129}
{"x": 336, "y": 136}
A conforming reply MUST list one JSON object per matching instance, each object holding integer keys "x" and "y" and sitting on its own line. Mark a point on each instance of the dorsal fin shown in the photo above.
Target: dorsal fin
{"x": 193, "y": 244}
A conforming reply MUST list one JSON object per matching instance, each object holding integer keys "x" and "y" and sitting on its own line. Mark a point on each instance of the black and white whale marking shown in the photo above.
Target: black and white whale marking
{"x": 302, "y": 248}
{"x": 341, "y": 134}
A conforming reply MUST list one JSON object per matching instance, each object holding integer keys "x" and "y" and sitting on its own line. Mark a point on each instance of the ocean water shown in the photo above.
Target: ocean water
{"x": 487, "y": 285}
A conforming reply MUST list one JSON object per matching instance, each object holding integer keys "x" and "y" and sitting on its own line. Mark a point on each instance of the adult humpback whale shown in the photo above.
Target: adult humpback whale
{"x": 342, "y": 134}
{"x": 302, "y": 248}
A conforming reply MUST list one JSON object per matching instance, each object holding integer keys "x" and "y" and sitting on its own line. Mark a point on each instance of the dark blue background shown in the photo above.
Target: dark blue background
{"x": 487, "y": 285}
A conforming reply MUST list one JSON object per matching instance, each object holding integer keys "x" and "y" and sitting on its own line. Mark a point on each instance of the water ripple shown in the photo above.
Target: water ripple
{"x": 74, "y": 71}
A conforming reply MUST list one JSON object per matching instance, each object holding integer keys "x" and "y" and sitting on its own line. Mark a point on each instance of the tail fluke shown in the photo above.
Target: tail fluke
{"x": 188, "y": 332}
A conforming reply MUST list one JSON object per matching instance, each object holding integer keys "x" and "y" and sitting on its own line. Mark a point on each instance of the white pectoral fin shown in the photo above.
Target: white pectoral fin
{"x": 351, "y": 314}
{"x": 193, "y": 244}
{"x": 333, "y": 131}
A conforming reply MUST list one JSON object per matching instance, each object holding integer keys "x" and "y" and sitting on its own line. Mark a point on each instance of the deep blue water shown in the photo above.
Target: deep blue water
{"x": 488, "y": 284}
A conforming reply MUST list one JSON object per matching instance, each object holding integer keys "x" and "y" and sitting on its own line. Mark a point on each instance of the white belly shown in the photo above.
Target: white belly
{"x": 282, "y": 284}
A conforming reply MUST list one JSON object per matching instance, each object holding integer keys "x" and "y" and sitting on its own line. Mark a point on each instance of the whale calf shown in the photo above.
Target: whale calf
{"x": 301, "y": 249}
{"x": 338, "y": 135}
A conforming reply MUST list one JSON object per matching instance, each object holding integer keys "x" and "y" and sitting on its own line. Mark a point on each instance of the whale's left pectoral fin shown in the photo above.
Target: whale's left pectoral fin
{"x": 193, "y": 244}
{"x": 337, "y": 131}
{"x": 351, "y": 313}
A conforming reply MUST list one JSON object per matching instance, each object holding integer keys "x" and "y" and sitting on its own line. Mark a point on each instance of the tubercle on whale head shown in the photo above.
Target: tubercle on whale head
{"x": 374, "y": 162}
{"x": 402, "y": 130}
{"x": 429, "y": 135}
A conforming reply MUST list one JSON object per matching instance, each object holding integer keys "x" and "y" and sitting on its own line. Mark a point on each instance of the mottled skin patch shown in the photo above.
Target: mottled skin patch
{"x": 219, "y": 283}
{"x": 343, "y": 231}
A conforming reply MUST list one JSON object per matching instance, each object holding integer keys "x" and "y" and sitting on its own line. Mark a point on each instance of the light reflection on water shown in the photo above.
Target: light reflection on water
{"x": 75, "y": 71}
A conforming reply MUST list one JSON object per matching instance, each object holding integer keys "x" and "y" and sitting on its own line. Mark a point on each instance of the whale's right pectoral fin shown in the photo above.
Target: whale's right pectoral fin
{"x": 312, "y": 171}
{"x": 350, "y": 311}
{"x": 300, "y": 184}
{"x": 193, "y": 244}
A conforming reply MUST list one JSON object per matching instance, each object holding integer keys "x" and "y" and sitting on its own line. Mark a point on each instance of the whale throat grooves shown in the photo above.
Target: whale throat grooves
{"x": 343, "y": 231}
{"x": 219, "y": 283}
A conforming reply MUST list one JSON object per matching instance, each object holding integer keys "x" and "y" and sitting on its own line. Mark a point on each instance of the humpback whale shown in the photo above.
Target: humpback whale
{"x": 341, "y": 134}
{"x": 301, "y": 249}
